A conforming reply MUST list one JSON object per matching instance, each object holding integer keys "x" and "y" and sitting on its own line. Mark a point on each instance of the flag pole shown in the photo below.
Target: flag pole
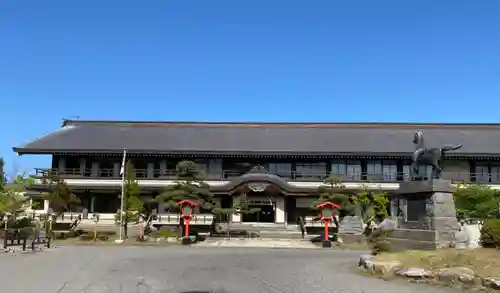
{"x": 122, "y": 173}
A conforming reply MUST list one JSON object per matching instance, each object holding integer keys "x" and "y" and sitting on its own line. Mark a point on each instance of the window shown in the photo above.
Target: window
{"x": 382, "y": 170}
{"x": 316, "y": 170}
{"x": 339, "y": 167}
{"x": 374, "y": 167}
{"x": 354, "y": 170}
{"x": 374, "y": 170}
{"x": 495, "y": 174}
{"x": 482, "y": 173}
{"x": 406, "y": 172}
{"x": 390, "y": 170}
{"x": 348, "y": 170}
{"x": 236, "y": 168}
{"x": 425, "y": 171}
{"x": 280, "y": 169}
{"x": 202, "y": 166}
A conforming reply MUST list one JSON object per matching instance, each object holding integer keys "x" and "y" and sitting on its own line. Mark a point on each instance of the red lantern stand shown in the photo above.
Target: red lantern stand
{"x": 187, "y": 214}
{"x": 327, "y": 214}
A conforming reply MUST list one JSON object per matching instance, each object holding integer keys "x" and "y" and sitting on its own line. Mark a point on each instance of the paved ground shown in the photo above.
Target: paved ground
{"x": 180, "y": 269}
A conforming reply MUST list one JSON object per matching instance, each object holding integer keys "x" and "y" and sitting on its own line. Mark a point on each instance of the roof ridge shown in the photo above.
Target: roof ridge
{"x": 282, "y": 124}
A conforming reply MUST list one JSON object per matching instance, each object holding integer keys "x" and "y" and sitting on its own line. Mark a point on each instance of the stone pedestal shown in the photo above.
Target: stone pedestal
{"x": 426, "y": 215}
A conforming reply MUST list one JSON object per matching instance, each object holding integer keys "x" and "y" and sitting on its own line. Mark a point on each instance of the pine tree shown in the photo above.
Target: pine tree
{"x": 12, "y": 198}
{"x": 133, "y": 205}
{"x": 334, "y": 191}
{"x": 61, "y": 198}
{"x": 188, "y": 185}
{"x": 241, "y": 208}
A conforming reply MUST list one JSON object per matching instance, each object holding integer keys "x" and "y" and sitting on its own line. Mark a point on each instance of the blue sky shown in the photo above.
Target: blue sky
{"x": 244, "y": 61}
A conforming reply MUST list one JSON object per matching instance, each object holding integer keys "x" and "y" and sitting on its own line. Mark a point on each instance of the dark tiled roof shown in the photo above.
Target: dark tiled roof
{"x": 263, "y": 138}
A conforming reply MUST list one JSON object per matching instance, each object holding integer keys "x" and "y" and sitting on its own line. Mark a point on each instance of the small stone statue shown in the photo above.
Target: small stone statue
{"x": 425, "y": 156}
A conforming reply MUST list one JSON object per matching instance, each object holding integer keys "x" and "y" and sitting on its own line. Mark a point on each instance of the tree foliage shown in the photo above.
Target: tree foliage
{"x": 3, "y": 179}
{"x": 12, "y": 197}
{"x": 188, "y": 185}
{"x": 133, "y": 205}
{"x": 12, "y": 192}
{"x": 373, "y": 205}
{"x": 490, "y": 233}
{"x": 334, "y": 191}
{"x": 476, "y": 201}
{"x": 59, "y": 195}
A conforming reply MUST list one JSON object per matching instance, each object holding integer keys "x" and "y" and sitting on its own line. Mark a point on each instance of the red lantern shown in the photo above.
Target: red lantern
{"x": 327, "y": 214}
{"x": 187, "y": 212}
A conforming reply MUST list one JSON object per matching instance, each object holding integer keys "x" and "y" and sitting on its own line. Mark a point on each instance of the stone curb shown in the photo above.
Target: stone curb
{"x": 462, "y": 276}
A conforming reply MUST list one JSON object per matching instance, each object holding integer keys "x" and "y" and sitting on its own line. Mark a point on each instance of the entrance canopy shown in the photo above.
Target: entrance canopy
{"x": 259, "y": 180}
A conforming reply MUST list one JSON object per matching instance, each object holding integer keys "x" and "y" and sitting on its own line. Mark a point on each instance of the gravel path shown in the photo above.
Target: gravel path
{"x": 180, "y": 269}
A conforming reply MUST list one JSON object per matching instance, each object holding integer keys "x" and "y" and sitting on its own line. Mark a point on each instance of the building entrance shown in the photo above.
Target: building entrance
{"x": 266, "y": 213}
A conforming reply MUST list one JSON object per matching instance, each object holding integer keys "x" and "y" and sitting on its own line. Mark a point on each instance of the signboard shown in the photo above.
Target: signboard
{"x": 327, "y": 212}
{"x": 186, "y": 210}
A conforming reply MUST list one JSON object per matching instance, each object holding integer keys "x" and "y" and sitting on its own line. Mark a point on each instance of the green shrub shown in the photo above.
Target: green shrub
{"x": 490, "y": 233}
{"x": 20, "y": 223}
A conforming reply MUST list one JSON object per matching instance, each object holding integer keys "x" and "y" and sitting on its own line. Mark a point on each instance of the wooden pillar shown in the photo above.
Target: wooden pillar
{"x": 61, "y": 165}
{"x": 116, "y": 169}
{"x": 95, "y": 169}
{"x": 83, "y": 164}
{"x": 150, "y": 170}
{"x": 163, "y": 167}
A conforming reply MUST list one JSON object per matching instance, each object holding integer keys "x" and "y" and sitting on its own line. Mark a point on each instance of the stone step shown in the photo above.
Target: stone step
{"x": 274, "y": 243}
{"x": 277, "y": 227}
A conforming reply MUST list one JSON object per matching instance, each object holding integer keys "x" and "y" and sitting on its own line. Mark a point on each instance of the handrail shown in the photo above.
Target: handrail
{"x": 293, "y": 176}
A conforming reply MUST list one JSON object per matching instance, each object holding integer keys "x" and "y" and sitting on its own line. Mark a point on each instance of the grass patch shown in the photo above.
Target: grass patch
{"x": 484, "y": 261}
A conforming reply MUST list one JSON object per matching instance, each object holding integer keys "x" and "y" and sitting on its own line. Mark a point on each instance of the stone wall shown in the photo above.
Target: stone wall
{"x": 351, "y": 228}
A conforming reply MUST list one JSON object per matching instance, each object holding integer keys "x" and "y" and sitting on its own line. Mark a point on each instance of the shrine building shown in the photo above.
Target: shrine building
{"x": 279, "y": 166}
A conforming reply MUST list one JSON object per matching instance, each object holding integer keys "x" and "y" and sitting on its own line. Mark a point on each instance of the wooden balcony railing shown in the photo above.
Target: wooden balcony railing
{"x": 156, "y": 174}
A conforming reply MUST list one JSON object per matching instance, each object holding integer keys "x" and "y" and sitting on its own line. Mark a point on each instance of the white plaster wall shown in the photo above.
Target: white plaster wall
{"x": 280, "y": 210}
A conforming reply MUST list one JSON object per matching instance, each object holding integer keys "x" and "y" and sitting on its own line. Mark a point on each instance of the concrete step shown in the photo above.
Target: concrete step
{"x": 265, "y": 227}
{"x": 281, "y": 236}
{"x": 274, "y": 243}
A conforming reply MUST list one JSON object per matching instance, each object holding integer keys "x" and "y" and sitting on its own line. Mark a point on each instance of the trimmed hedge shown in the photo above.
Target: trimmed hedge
{"x": 490, "y": 233}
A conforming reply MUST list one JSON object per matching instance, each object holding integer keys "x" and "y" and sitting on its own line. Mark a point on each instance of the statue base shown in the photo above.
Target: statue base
{"x": 427, "y": 218}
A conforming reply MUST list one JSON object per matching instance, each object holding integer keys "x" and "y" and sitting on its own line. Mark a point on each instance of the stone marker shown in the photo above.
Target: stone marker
{"x": 428, "y": 218}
